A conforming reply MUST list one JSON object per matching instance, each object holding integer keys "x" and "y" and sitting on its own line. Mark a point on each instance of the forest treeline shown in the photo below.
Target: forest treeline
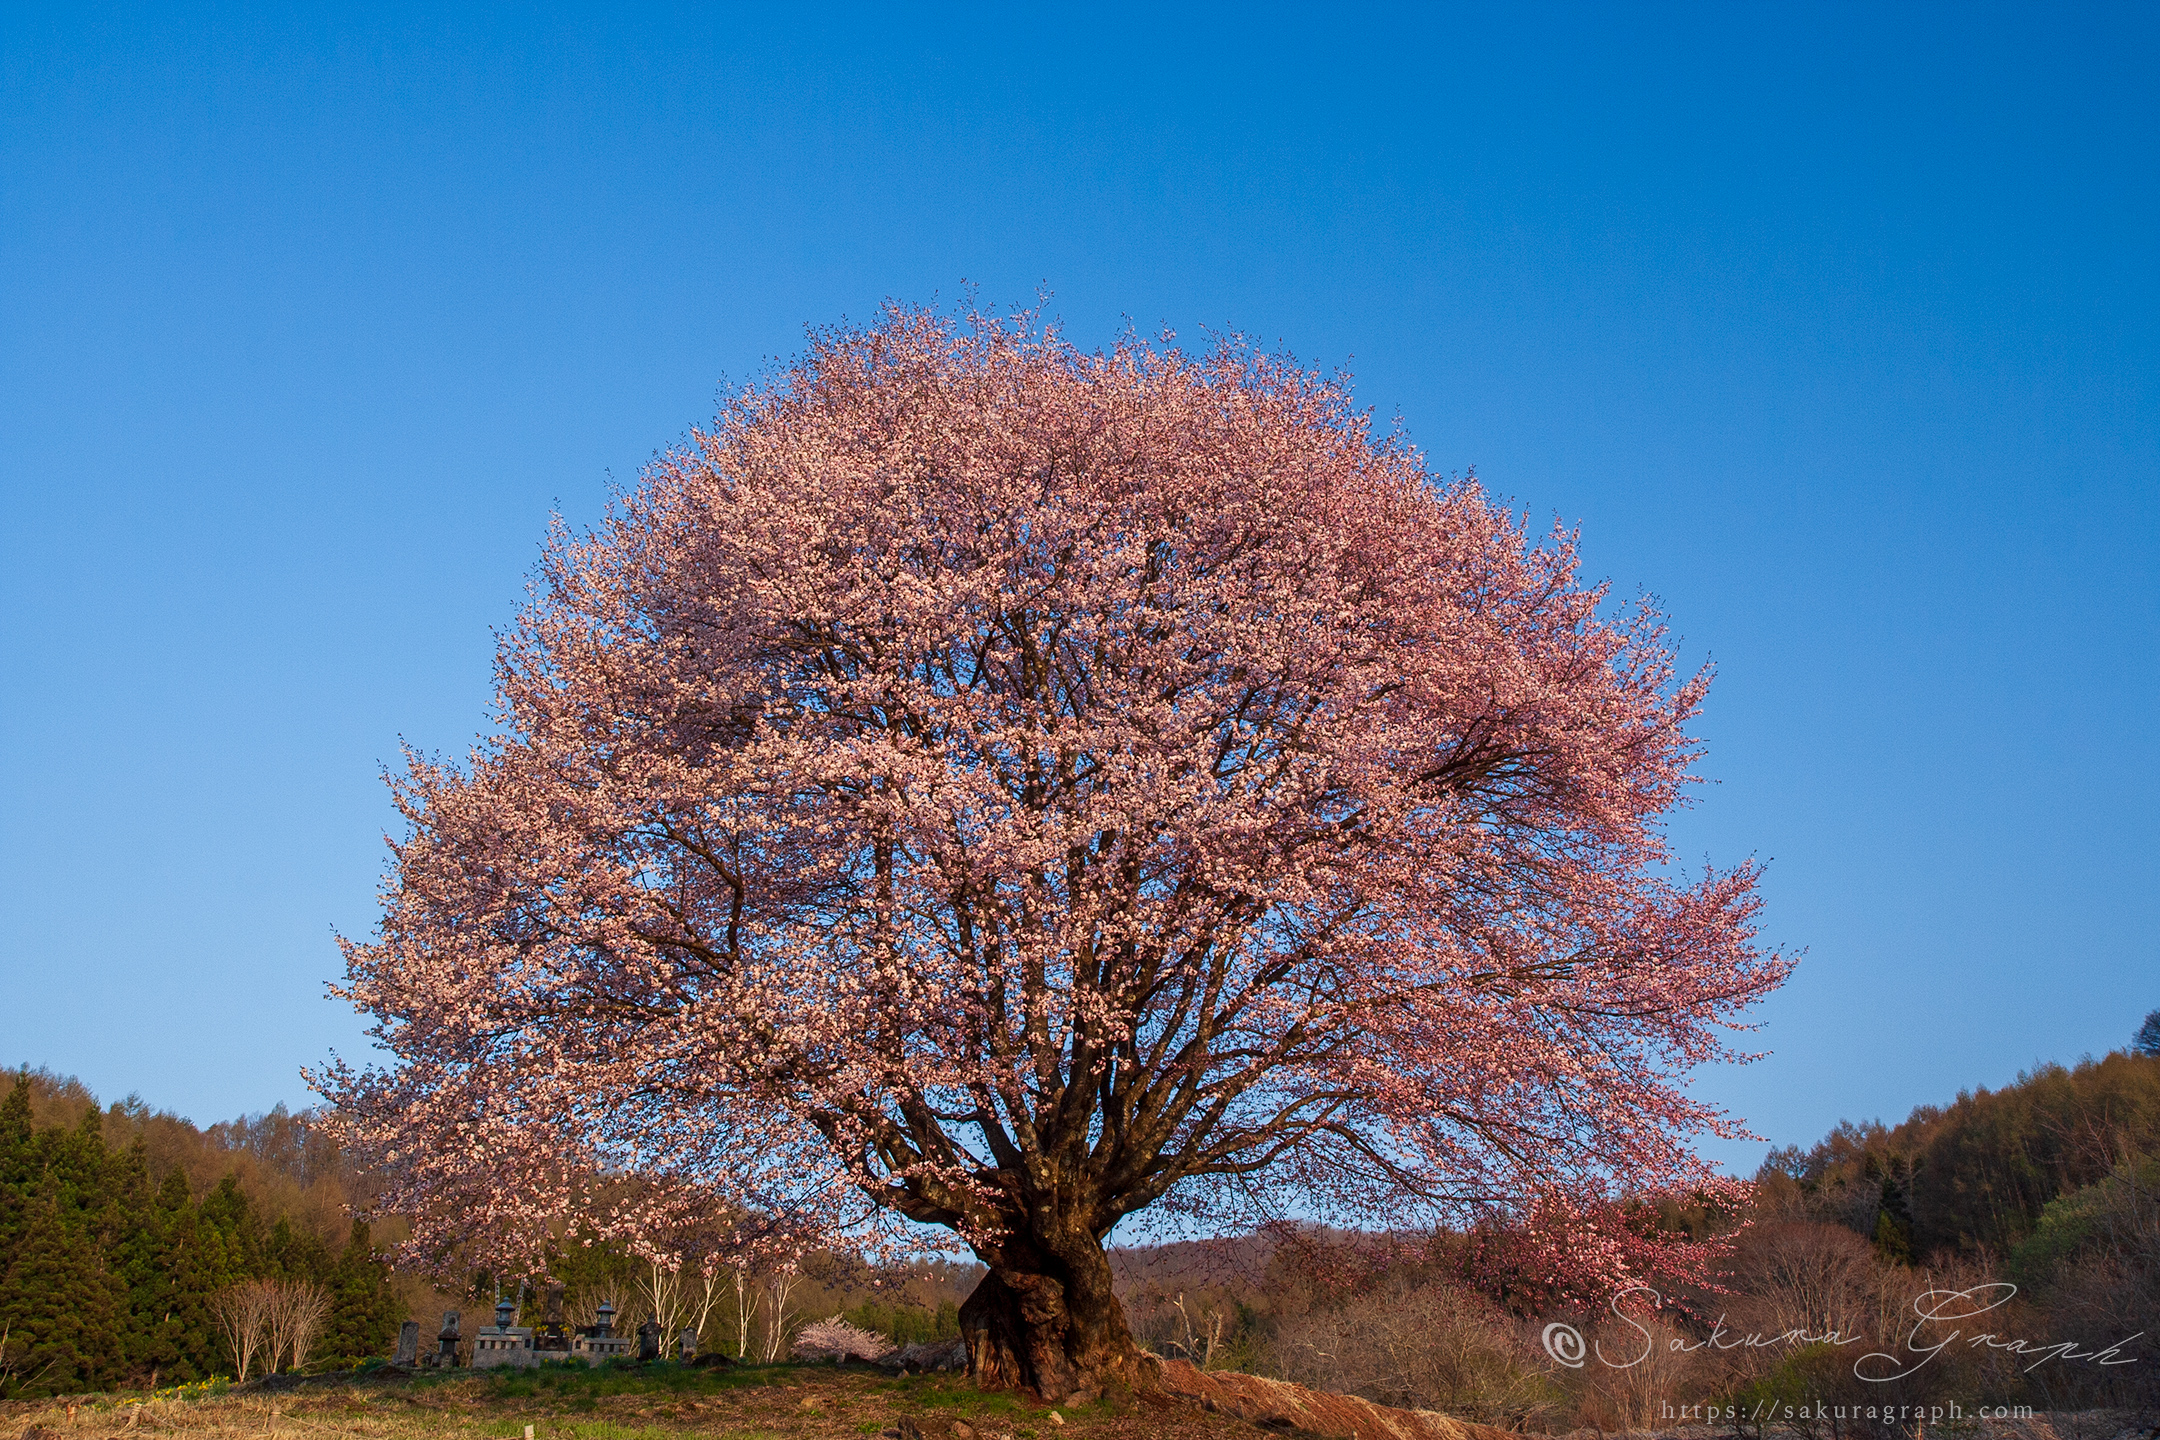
{"x": 1978, "y": 1176}
{"x": 2050, "y": 1185}
{"x": 123, "y": 1233}
{"x": 129, "y": 1238}
{"x": 119, "y": 1227}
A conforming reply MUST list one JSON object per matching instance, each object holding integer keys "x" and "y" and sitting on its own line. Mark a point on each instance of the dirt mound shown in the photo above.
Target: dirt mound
{"x": 1292, "y": 1409}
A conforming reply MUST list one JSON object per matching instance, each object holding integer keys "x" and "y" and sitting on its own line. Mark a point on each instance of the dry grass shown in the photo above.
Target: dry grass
{"x": 810, "y": 1401}
{"x": 813, "y": 1402}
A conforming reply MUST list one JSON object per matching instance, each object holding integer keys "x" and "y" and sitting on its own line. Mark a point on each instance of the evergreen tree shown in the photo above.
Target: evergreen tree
{"x": 225, "y": 1211}
{"x": 59, "y": 1306}
{"x": 290, "y": 1254}
{"x": 128, "y": 1236}
{"x": 76, "y": 1163}
{"x": 1893, "y": 1215}
{"x": 17, "y": 1167}
{"x": 364, "y": 1311}
{"x": 15, "y": 1132}
{"x": 108, "y": 1277}
{"x": 181, "y": 1341}
{"x": 2147, "y": 1040}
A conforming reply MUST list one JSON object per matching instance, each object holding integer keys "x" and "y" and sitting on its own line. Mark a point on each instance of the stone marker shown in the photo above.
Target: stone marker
{"x": 446, "y": 1357}
{"x": 686, "y": 1347}
{"x": 408, "y": 1345}
{"x": 551, "y": 1334}
{"x": 502, "y": 1343}
{"x": 599, "y": 1342}
{"x": 648, "y": 1341}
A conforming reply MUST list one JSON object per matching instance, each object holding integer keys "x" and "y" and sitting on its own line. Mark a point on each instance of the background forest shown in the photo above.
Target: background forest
{"x": 128, "y": 1237}
{"x": 2050, "y": 1185}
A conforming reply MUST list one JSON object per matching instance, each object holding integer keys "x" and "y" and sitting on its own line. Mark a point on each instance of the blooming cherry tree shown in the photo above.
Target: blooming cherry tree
{"x": 1000, "y": 787}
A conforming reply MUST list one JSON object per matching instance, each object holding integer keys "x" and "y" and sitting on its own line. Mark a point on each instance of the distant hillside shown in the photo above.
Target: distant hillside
{"x": 1978, "y": 1175}
{"x": 288, "y": 1170}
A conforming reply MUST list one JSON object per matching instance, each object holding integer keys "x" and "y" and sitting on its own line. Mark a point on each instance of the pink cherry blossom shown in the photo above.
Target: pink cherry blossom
{"x": 1006, "y": 788}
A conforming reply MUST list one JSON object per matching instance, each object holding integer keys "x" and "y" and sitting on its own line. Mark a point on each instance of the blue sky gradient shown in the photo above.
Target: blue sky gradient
{"x": 1835, "y": 328}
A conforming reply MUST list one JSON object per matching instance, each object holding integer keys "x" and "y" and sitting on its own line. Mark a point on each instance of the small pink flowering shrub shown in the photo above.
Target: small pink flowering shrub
{"x": 835, "y": 1339}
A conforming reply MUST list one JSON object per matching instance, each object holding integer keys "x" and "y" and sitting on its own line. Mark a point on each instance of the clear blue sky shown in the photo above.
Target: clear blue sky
{"x": 1834, "y": 328}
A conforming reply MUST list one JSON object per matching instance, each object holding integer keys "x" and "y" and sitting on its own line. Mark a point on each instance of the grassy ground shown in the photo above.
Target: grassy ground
{"x": 814, "y": 1402}
{"x": 571, "y": 1403}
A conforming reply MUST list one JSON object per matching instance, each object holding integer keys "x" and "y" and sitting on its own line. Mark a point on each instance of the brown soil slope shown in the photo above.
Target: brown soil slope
{"x": 1280, "y": 1406}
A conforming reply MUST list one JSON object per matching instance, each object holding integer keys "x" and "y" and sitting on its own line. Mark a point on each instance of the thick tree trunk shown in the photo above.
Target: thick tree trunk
{"x": 1055, "y": 1329}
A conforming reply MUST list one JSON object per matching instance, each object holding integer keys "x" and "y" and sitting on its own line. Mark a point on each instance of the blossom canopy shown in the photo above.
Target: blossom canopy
{"x": 1017, "y": 788}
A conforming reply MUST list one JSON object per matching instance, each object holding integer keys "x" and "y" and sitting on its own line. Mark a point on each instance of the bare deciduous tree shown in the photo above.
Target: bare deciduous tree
{"x": 1198, "y": 1342}
{"x": 746, "y": 1307}
{"x": 779, "y": 1283}
{"x": 297, "y": 1309}
{"x": 276, "y": 1320}
{"x": 242, "y": 1313}
{"x": 708, "y": 1294}
{"x": 666, "y": 1295}
{"x": 1431, "y": 1347}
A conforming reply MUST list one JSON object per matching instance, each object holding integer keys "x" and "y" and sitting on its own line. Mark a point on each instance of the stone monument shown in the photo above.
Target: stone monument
{"x": 648, "y": 1341}
{"x": 686, "y": 1347}
{"x": 446, "y": 1356}
{"x": 551, "y": 1336}
{"x": 595, "y": 1343}
{"x": 408, "y": 1345}
{"x": 503, "y": 1344}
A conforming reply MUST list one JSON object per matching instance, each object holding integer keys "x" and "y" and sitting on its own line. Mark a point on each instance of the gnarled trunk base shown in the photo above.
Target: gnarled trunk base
{"x": 1034, "y": 1332}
